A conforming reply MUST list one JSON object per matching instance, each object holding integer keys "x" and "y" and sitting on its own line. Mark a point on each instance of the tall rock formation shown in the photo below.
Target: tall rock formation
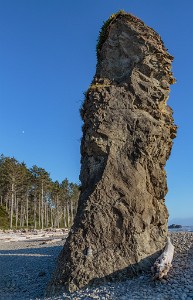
{"x": 128, "y": 130}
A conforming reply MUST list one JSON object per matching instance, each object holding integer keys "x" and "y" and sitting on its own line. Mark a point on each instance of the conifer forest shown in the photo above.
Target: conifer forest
{"x": 30, "y": 199}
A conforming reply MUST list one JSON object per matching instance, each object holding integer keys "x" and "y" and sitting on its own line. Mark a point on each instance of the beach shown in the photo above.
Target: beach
{"x": 26, "y": 265}
{"x": 27, "y": 260}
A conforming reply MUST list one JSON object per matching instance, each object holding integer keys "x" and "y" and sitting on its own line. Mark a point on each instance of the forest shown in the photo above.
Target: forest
{"x": 30, "y": 199}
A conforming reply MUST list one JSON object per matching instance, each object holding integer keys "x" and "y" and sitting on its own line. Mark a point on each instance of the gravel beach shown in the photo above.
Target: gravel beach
{"x": 26, "y": 267}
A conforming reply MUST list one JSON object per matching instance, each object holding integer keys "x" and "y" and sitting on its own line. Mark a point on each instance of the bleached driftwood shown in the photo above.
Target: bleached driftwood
{"x": 164, "y": 262}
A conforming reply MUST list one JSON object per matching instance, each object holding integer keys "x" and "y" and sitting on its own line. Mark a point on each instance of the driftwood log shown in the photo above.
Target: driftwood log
{"x": 164, "y": 262}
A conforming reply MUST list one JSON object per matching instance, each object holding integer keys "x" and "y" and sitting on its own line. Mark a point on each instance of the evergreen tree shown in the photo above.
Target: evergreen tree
{"x": 10, "y": 178}
{"x": 30, "y": 198}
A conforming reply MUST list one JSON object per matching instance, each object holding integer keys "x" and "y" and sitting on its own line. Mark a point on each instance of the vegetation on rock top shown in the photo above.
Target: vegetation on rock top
{"x": 103, "y": 34}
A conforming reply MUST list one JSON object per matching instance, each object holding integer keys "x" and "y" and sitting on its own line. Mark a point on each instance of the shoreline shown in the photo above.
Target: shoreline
{"x": 33, "y": 235}
{"x": 26, "y": 267}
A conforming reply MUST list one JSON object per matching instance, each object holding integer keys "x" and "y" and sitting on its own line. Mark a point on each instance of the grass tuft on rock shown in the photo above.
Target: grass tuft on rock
{"x": 103, "y": 34}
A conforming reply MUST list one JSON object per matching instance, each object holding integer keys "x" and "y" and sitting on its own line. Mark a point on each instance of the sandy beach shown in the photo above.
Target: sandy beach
{"x": 27, "y": 261}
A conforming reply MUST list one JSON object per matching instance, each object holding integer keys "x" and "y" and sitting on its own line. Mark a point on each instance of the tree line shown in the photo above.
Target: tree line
{"x": 32, "y": 200}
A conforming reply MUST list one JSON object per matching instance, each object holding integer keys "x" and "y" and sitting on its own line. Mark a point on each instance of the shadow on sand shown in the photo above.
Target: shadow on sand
{"x": 57, "y": 286}
{"x": 24, "y": 273}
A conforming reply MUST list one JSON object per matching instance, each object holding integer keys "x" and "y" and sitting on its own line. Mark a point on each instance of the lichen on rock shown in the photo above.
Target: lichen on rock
{"x": 127, "y": 138}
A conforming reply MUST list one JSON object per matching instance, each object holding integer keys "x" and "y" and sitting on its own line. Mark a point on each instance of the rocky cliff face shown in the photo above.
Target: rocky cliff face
{"x": 127, "y": 138}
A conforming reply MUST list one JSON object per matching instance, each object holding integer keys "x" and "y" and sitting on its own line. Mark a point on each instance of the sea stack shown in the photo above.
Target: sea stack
{"x": 128, "y": 131}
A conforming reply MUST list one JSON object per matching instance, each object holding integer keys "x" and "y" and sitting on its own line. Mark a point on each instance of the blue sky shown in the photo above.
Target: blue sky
{"x": 47, "y": 61}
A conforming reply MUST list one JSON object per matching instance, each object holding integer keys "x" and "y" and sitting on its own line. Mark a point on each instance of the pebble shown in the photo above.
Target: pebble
{"x": 27, "y": 280}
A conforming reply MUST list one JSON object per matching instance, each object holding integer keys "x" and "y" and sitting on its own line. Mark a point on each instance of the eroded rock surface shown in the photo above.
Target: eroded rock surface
{"x": 128, "y": 130}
